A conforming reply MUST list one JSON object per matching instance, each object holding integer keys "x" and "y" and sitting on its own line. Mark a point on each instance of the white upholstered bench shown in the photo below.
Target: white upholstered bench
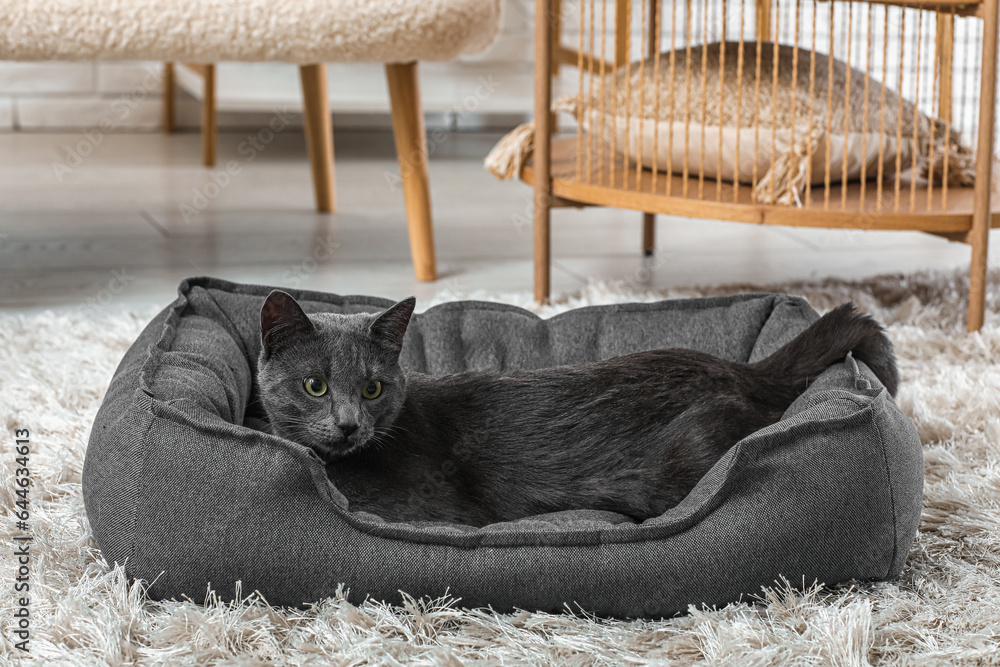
{"x": 200, "y": 33}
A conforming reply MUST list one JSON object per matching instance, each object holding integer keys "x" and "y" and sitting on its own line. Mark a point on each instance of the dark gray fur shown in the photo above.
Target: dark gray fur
{"x": 631, "y": 435}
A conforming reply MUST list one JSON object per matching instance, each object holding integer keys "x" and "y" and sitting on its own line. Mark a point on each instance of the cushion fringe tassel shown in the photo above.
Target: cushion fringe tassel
{"x": 509, "y": 155}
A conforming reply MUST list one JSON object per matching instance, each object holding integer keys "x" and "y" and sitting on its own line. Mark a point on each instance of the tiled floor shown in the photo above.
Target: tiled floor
{"x": 72, "y": 234}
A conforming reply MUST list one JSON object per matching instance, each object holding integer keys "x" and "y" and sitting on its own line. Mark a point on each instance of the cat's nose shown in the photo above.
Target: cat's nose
{"x": 348, "y": 429}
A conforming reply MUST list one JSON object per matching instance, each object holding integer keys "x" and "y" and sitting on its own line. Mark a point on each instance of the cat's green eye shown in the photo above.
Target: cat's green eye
{"x": 315, "y": 387}
{"x": 371, "y": 389}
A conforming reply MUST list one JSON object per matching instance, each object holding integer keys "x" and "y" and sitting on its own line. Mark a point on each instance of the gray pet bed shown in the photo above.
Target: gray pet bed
{"x": 182, "y": 492}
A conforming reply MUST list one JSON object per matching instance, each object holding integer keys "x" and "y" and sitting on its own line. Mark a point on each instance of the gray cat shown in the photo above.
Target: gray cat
{"x": 631, "y": 435}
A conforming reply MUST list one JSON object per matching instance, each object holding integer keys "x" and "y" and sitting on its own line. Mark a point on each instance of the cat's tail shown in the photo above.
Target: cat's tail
{"x": 828, "y": 340}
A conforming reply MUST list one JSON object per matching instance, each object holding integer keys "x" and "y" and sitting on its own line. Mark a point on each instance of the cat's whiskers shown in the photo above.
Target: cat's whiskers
{"x": 379, "y": 438}
{"x": 297, "y": 420}
{"x": 392, "y": 432}
{"x": 392, "y": 428}
{"x": 302, "y": 429}
{"x": 376, "y": 443}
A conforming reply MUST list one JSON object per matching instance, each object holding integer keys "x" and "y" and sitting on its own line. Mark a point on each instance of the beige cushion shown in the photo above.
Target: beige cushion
{"x": 774, "y": 126}
{"x": 801, "y": 141}
{"x": 296, "y": 31}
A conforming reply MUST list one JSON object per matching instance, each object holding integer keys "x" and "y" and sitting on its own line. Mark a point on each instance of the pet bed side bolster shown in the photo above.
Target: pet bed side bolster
{"x": 905, "y": 472}
{"x": 901, "y": 450}
{"x": 112, "y": 465}
{"x": 790, "y": 316}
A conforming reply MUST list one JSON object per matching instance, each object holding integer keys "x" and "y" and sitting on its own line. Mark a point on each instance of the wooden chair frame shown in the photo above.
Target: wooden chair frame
{"x": 408, "y": 128}
{"x": 968, "y": 219}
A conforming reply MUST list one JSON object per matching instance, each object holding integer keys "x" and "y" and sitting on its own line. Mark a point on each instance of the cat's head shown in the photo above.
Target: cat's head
{"x": 328, "y": 381}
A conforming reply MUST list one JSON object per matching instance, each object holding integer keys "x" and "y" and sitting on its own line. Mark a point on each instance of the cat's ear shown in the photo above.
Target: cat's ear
{"x": 391, "y": 325}
{"x": 280, "y": 317}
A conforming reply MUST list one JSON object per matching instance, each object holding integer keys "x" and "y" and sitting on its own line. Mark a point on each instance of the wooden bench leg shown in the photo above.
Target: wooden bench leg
{"x": 542, "y": 184}
{"x": 979, "y": 235}
{"x": 169, "y": 108}
{"x": 543, "y": 251}
{"x": 977, "y": 282}
{"x": 648, "y": 234}
{"x": 319, "y": 133}
{"x": 209, "y": 129}
{"x": 411, "y": 151}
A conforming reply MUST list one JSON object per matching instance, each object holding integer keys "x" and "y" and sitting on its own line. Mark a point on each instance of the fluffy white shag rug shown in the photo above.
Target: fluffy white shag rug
{"x": 945, "y": 609}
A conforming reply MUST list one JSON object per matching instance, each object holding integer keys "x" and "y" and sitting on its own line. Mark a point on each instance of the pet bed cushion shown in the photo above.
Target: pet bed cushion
{"x": 804, "y": 132}
{"x": 294, "y": 31}
{"x": 183, "y": 492}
